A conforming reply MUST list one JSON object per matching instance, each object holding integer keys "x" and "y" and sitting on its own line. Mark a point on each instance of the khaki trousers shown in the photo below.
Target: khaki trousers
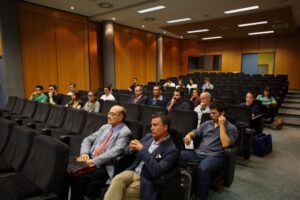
{"x": 124, "y": 186}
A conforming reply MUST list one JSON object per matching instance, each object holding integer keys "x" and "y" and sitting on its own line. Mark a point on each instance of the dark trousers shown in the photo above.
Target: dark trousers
{"x": 80, "y": 183}
{"x": 208, "y": 165}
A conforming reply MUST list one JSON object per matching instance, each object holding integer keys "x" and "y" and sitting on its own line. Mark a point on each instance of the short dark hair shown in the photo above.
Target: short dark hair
{"x": 164, "y": 118}
{"x": 108, "y": 87}
{"x": 159, "y": 86}
{"x": 40, "y": 87}
{"x": 93, "y": 92}
{"x": 219, "y": 105}
{"x": 54, "y": 87}
{"x": 250, "y": 92}
{"x": 181, "y": 92}
{"x": 197, "y": 90}
{"x": 207, "y": 79}
{"x": 139, "y": 86}
{"x": 73, "y": 84}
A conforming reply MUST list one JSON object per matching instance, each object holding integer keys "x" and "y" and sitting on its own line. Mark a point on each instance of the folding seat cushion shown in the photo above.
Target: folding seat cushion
{"x": 107, "y": 105}
{"x": 43, "y": 172}
{"x": 93, "y": 123}
{"x": 40, "y": 115}
{"x": 55, "y": 118}
{"x": 6, "y": 127}
{"x": 73, "y": 124}
{"x": 17, "y": 149}
{"x": 9, "y": 105}
{"x": 133, "y": 111}
{"x": 28, "y": 111}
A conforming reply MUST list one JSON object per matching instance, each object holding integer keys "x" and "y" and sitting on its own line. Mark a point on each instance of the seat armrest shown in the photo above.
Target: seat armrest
{"x": 123, "y": 162}
{"x": 50, "y": 196}
{"x": 31, "y": 125}
{"x": 19, "y": 121}
{"x": 46, "y": 131}
{"x": 65, "y": 139}
{"x": 162, "y": 180}
{"x": 230, "y": 155}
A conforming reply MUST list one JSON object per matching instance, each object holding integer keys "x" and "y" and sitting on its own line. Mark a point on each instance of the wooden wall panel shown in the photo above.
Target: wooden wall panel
{"x": 1, "y": 49}
{"x": 171, "y": 57}
{"x": 231, "y": 56}
{"x": 95, "y": 49}
{"x": 71, "y": 55}
{"x": 135, "y": 56}
{"x": 38, "y": 48}
{"x": 54, "y": 48}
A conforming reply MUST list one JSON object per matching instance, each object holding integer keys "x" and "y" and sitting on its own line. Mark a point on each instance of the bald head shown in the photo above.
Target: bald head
{"x": 205, "y": 98}
{"x": 116, "y": 115}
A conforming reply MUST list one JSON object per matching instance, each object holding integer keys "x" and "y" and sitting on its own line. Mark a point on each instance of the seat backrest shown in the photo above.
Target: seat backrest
{"x": 19, "y": 106}
{"x": 18, "y": 146}
{"x": 123, "y": 98}
{"x": 107, "y": 105}
{"x": 56, "y": 116}
{"x": 237, "y": 114}
{"x": 65, "y": 99}
{"x": 75, "y": 120}
{"x": 136, "y": 128}
{"x": 6, "y": 127}
{"x": 42, "y": 111}
{"x": 46, "y": 164}
{"x": 93, "y": 123}
{"x": 29, "y": 108}
{"x": 10, "y": 103}
{"x": 148, "y": 111}
{"x": 183, "y": 121}
{"x": 133, "y": 111}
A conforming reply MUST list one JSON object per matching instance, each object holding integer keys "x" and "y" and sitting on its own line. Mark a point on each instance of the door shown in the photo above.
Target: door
{"x": 250, "y": 63}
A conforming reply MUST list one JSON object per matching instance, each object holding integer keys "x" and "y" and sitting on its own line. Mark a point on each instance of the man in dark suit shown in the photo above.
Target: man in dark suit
{"x": 158, "y": 99}
{"x": 155, "y": 154}
{"x": 138, "y": 97}
{"x": 177, "y": 101}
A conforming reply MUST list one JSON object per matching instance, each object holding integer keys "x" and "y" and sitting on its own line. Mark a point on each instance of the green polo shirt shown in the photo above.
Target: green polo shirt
{"x": 41, "y": 98}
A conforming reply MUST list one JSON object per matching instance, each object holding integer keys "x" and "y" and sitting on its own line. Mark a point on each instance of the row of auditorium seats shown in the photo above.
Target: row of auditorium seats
{"x": 71, "y": 126}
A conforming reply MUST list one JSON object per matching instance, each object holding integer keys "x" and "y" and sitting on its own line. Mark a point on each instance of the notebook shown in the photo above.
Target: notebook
{"x": 76, "y": 168}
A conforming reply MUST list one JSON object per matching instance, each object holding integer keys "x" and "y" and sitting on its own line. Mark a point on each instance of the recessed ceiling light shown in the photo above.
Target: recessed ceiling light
{"x": 198, "y": 31}
{"x": 181, "y": 37}
{"x": 105, "y": 5}
{"x": 241, "y": 9}
{"x": 164, "y": 32}
{"x": 212, "y": 38}
{"x": 113, "y": 18}
{"x": 178, "y": 20}
{"x": 151, "y": 9}
{"x": 72, "y": 8}
{"x": 260, "y": 33}
{"x": 253, "y": 24}
{"x": 143, "y": 26}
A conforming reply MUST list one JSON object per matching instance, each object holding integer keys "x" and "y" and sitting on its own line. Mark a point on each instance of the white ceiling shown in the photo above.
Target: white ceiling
{"x": 125, "y": 11}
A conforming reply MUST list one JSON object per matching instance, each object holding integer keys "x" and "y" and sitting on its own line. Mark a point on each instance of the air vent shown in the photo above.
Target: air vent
{"x": 105, "y": 5}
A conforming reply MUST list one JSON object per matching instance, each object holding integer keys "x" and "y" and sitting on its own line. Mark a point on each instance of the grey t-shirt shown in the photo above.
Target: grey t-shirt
{"x": 210, "y": 143}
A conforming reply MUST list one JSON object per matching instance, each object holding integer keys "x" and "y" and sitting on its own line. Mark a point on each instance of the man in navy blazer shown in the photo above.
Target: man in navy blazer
{"x": 138, "y": 97}
{"x": 155, "y": 155}
{"x": 158, "y": 99}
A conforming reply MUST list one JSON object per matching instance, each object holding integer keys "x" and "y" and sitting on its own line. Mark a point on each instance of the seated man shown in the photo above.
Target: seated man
{"x": 54, "y": 97}
{"x": 203, "y": 107}
{"x": 155, "y": 154}
{"x": 107, "y": 96}
{"x": 73, "y": 88}
{"x": 207, "y": 85}
{"x": 177, "y": 101}
{"x": 38, "y": 94}
{"x": 134, "y": 83}
{"x": 138, "y": 97}
{"x": 215, "y": 135}
{"x": 158, "y": 99}
{"x": 100, "y": 148}
{"x": 169, "y": 83}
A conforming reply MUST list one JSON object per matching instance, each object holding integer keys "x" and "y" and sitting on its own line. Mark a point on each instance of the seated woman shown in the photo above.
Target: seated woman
{"x": 191, "y": 85}
{"x": 92, "y": 105}
{"x": 75, "y": 102}
{"x": 256, "y": 122}
{"x": 180, "y": 84}
{"x": 196, "y": 97}
{"x": 269, "y": 102}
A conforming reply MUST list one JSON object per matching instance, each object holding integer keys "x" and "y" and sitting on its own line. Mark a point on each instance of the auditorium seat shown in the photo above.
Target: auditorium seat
{"x": 123, "y": 98}
{"x": 18, "y": 108}
{"x": 65, "y": 99}
{"x": 55, "y": 119}
{"x": 133, "y": 111}
{"x": 40, "y": 115}
{"x": 9, "y": 105}
{"x": 28, "y": 111}
{"x": 17, "y": 149}
{"x": 107, "y": 105}
{"x": 6, "y": 127}
{"x": 42, "y": 174}
{"x": 73, "y": 124}
{"x": 146, "y": 117}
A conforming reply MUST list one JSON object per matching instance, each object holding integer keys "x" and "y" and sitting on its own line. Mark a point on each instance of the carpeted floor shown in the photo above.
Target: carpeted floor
{"x": 276, "y": 176}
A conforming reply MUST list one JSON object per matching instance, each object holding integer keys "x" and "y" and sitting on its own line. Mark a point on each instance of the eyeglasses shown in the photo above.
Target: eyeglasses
{"x": 112, "y": 114}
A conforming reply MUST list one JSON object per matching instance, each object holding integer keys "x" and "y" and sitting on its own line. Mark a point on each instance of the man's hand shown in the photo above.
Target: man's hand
{"x": 188, "y": 138}
{"x": 135, "y": 145}
{"x": 90, "y": 162}
{"x": 50, "y": 94}
{"x": 222, "y": 120}
{"x": 83, "y": 157}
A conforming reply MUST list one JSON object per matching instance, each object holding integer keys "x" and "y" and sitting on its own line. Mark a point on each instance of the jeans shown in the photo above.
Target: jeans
{"x": 207, "y": 166}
